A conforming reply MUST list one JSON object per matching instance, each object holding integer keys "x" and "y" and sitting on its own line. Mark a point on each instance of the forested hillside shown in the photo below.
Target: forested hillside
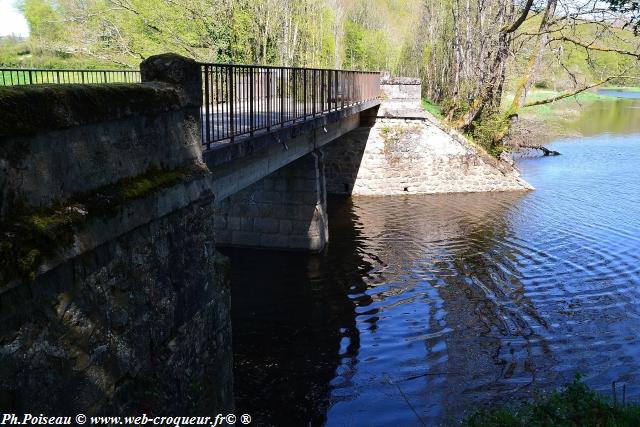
{"x": 468, "y": 52}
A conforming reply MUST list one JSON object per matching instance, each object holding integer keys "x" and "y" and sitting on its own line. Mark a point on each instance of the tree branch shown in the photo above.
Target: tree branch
{"x": 597, "y": 48}
{"x": 523, "y": 16}
{"x": 569, "y": 94}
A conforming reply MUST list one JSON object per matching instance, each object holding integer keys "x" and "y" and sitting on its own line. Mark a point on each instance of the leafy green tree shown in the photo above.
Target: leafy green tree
{"x": 43, "y": 19}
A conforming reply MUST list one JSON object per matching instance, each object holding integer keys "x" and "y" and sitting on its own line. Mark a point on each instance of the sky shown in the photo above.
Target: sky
{"x": 11, "y": 20}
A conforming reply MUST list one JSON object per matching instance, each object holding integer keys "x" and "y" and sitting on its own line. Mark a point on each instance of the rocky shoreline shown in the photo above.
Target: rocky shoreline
{"x": 529, "y": 136}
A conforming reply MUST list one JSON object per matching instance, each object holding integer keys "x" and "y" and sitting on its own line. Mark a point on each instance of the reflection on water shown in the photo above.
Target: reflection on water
{"x": 620, "y": 93}
{"x": 425, "y": 306}
{"x": 618, "y": 116}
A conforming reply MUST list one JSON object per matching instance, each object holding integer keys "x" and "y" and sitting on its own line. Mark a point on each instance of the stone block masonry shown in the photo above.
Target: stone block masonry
{"x": 60, "y": 140}
{"x": 286, "y": 210}
{"x": 407, "y": 150}
{"x": 113, "y": 299}
{"x": 140, "y": 322}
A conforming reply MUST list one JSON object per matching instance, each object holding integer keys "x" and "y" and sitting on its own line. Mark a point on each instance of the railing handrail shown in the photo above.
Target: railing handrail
{"x": 215, "y": 64}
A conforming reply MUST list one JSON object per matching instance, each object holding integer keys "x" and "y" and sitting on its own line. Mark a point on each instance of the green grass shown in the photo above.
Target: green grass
{"x": 18, "y": 53}
{"x": 15, "y": 53}
{"x": 574, "y": 405}
{"x": 434, "y": 109}
{"x": 556, "y": 108}
{"x": 20, "y": 77}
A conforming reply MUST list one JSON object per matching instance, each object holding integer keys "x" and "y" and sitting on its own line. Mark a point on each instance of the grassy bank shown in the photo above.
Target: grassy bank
{"x": 539, "y": 124}
{"x": 574, "y": 405}
{"x": 431, "y": 107}
{"x": 19, "y": 53}
{"x": 557, "y": 109}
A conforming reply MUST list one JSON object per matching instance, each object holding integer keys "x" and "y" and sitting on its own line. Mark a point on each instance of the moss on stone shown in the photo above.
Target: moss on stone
{"x": 28, "y": 110}
{"x": 33, "y": 235}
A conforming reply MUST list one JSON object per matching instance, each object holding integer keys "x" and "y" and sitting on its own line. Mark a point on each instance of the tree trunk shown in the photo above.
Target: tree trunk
{"x": 490, "y": 91}
{"x": 520, "y": 94}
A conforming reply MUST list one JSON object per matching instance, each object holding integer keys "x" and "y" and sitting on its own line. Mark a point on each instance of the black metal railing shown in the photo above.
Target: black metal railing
{"x": 28, "y": 76}
{"x": 244, "y": 99}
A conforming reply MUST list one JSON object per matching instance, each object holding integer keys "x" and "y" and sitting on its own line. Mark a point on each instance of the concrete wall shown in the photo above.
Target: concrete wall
{"x": 286, "y": 210}
{"x": 407, "y": 150}
{"x": 112, "y": 298}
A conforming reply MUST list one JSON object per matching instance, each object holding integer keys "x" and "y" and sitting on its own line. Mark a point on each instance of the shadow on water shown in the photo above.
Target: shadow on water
{"x": 293, "y": 324}
{"x": 407, "y": 310}
{"x": 453, "y": 325}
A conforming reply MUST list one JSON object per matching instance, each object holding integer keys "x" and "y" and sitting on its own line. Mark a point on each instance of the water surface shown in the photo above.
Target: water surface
{"x": 423, "y": 307}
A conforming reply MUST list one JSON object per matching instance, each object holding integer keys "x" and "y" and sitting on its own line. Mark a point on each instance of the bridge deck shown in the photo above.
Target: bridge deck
{"x": 224, "y": 126}
{"x": 241, "y": 100}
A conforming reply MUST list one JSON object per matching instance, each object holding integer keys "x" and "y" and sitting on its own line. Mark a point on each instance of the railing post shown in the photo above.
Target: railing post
{"x": 251, "y": 77}
{"x": 282, "y": 97}
{"x": 232, "y": 119}
{"x": 343, "y": 87}
{"x": 329, "y": 90}
{"x": 304, "y": 92}
{"x": 268, "y": 98}
{"x": 295, "y": 96}
{"x": 321, "y": 92}
{"x": 207, "y": 97}
{"x": 313, "y": 91}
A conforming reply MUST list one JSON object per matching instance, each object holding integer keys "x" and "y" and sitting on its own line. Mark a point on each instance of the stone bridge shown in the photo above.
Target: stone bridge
{"x": 113, "y": 298}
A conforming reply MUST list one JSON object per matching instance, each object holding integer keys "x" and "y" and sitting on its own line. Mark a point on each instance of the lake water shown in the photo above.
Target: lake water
{"x": 424, "y": 307}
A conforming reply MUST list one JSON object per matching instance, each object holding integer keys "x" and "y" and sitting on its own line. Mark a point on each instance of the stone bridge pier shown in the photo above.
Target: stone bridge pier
{"x": 285, "y": 210}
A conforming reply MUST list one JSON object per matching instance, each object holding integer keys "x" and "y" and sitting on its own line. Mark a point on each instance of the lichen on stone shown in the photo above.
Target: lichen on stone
{"x": 33, "y": 235}
{"x": 32, "y": 109}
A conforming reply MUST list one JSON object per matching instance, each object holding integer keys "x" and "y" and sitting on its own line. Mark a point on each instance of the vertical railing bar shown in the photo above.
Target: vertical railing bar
{"x": 313, "y": 91}
{"x": 281, "y": 97}
{"x": 251, "y": 101}
{"x": 335, "y": 91}
{"x": 329, "y": 91}
{"x": 224, "y": 79}
{"x": 217, "y": 104}
{"x": 232, "y": 109}
{"x": 220, "y": 124}
{"x": 206, "y": 105}
{"x": 304, "y": 93}
{"x": 295, "y": 98}
{"x": 322, "y": 91}
{"x": 213, "y": 100}
{"x": 268, "y": 70}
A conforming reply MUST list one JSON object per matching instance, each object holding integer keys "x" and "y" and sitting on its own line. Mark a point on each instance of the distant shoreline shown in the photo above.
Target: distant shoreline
{"x": 540, "y": 125}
